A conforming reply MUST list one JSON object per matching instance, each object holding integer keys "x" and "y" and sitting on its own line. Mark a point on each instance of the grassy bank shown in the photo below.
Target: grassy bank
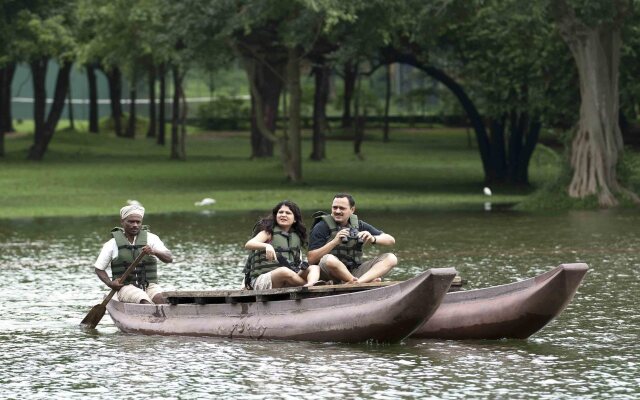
{"x": 95, "y": 174}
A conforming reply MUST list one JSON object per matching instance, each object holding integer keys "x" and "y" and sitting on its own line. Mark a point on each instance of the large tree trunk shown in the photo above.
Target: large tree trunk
{"x": 162, "y": 77}
{"x": 93, "y": 98}
{"x": 177, "y": 137}
{"x": 498, "y": 172}
{"x": 114, "y": 78}
{"x": 151, "y": 131}
{"x": 45, "y": 129}
{"x": 269, "y": 82}
{"x": 290, "y": 142}
{"x": 6, "y": 119}
{"x": 597, "y": 143}
{"x": 350, "y": 75}
{"x": 520, "y": 171}
{"x": 320, "y": 99}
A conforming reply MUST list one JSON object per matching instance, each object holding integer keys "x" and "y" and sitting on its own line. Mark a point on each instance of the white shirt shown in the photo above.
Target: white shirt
{"x": 110, "y": 250}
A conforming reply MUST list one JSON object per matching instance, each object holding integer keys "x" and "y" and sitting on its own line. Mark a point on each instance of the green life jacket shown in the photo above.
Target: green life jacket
{"x": 350, "y": 253}
{"x": 287, "y": 246}
{"x": 145, "y": 272}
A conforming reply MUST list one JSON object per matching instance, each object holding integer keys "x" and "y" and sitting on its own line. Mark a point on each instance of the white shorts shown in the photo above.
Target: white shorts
{"x": 262, "y": 282}
{"x": 132, "y": 294}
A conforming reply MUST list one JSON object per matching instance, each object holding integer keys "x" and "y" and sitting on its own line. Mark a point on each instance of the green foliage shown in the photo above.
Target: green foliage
{"x": 627, "y": 170}
{"x": 44, "y": 30}
{"x": 223, "y": 113}
{"x": 630, "y": 67}
{"x": 596, "y": 12}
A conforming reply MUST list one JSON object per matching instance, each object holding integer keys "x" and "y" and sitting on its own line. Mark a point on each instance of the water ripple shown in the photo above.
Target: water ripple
{"x": 589, "y": 352}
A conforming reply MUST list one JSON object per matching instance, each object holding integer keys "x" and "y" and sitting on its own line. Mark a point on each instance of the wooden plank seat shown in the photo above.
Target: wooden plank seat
{"x": 231, "y": 296}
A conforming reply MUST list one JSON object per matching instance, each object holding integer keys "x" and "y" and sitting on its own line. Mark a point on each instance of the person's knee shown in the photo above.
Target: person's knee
{"x": 159, "y": 299}
{"x": 283, "y": 272}
{"x": 333, "y": 262}
{"x": 391, "y": 259}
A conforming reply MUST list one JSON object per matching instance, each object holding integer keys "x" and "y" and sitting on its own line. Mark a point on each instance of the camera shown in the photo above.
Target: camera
{"x": 353, "y": 234}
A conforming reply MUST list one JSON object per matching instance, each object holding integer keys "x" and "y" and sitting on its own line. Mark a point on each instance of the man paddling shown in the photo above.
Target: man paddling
{"x": 336, "y": 245}
{"x": 126, "y": 244}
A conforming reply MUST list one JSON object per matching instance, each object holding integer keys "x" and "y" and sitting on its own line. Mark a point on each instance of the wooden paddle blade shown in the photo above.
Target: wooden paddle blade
{"x": 93, "y": 318}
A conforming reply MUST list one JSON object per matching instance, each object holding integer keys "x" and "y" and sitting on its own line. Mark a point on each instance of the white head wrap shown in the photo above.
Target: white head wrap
{"x": 130, "y": 210}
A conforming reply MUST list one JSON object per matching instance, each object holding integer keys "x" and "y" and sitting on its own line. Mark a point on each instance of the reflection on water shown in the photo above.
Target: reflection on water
{"x": 590, "y": 351}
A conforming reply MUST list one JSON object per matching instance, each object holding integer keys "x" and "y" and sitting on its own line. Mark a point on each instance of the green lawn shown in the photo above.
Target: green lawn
{"x": 95, "y": 174}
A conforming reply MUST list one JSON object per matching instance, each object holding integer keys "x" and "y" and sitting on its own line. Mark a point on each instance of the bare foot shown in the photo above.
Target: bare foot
{"x": 352, "y": 281}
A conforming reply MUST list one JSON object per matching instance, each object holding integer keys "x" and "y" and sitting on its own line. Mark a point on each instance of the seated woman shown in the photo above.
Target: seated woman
{"x": 275, "y": 260}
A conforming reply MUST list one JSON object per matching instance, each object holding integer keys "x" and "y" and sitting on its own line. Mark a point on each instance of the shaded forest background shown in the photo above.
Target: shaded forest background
{"x": 509, "y": 70}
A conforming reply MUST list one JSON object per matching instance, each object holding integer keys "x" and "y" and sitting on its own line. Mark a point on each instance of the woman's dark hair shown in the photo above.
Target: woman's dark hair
{"x": 267, "y": 223}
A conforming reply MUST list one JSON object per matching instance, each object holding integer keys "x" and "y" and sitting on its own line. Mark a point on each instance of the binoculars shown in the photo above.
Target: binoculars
{"x": 353, "y": 234}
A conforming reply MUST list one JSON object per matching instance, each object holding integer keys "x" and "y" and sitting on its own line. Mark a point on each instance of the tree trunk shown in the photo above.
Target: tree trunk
{"x": 320, "y": 99}
{"x": 45, "y": 129}
{"x": 114, "y": 78}
{"x": 131, "y": 126}
{"x": 151, "y": 132}
{"x": 531, "y": 139}
{"x": 177, "y": 140}
{"x": 268, "y": 81}
{"x": 183, "y": 120}
{"x": 387, "y": 103}
{"x": 498, "y": 153}
{"x": 523, "y": 137}
{"x": 6, "y": 79}
{"x": 359, "y": 135}
{"x": 289, "y": 143}
{"x": 162, "y": 76}
{"x": 38, "y": 76}
{"x": 597, "y": 144}
{"x": 6, "y": 119}
{"x": 358, "y": 127}
{"x": 294, "y": 170}
{"x": 350, "y": 75}
{"x": 72, "y": 125}
{"x": 93, "y": 98}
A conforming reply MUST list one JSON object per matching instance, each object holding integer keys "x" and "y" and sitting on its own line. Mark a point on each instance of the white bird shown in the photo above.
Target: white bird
{"x": 207, "y": 201}
{"x": 133, "y": 203}
{"x": 487, "y": 191}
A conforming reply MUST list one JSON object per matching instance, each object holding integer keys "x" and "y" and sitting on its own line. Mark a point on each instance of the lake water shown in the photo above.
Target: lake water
{"x": 47, "y": 286}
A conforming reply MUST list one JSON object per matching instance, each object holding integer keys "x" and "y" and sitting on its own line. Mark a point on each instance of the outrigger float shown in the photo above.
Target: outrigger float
{"x": 513, "y": 311}
{"x": 419, "y": 308}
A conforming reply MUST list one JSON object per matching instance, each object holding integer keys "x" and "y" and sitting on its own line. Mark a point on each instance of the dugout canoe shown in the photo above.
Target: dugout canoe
{"x": 514, "y": 311}
{"x": 356, "y": 313}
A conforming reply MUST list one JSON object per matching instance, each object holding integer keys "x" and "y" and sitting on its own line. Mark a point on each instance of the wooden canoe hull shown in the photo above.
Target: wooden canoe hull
{"x": 516, "y": 310}
{"x": 385, "y": 314}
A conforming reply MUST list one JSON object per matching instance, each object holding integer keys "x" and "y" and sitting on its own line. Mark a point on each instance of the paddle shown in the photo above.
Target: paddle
{"x": 97, "y": 312}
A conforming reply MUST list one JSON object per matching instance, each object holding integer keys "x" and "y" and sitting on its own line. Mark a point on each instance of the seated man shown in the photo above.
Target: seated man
{"x": 336, "y": 245}
{"x": 125, "y": 245}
